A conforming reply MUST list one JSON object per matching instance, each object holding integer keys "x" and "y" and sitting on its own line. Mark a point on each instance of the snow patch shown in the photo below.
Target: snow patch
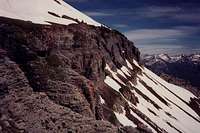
{"x": 164, "y": 57}
{"x": 102, "y": 100}
{"x": 136, "y": 63}
{"x": 126, "y": 71}
{"x": 129, "y": 64}
{"x": 114, "y": 74}
{"x": 123, "y": 119}
{"x": 141, "y": 120}
{"x": 112, "y": 83}
{"x": 121, "y": 73}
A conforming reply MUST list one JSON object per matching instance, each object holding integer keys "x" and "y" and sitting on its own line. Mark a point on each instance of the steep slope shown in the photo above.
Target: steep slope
{"x": 82, "y": 78}
{"x": 66, "y": 64}
{"x": 43, "y": 12}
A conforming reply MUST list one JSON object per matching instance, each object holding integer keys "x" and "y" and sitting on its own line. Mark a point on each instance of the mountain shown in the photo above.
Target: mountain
{"x": 182, "y": 70}
{"x": 61, "y": 71}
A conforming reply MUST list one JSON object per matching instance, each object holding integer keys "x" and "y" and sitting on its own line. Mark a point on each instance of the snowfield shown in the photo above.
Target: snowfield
{"x": 40, "y": 12}
{"x": 173, "y": 115}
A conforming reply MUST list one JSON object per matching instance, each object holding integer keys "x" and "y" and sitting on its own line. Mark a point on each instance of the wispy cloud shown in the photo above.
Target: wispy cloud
{"x": 76, "y": 0}
{"x": 188, "y": 17}
{"x": 120, "y": 25}
{"x": 160, "y": 35}
{"x": 110, "y": 12}
{"x": 173, "y": 13}
{"x": 98, "y": 14}
{"x": 156, "y": 12}
{"x": 150, "y": 11}
{"x": 153, "y": 33}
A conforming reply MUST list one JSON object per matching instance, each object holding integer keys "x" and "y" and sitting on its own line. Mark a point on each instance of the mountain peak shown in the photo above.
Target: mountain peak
{"x": 43, "y": 12}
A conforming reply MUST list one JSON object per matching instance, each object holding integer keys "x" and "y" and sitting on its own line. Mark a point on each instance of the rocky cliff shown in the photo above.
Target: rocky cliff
{"x": 51, "y": 77}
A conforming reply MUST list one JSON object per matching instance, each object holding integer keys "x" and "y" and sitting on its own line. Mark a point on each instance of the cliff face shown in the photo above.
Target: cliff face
{"x": 25, "y": 110}
{"x": 51, "y": 77}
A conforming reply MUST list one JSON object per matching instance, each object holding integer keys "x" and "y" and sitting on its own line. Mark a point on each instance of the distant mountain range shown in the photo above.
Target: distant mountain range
{"x": 182, "y": 70}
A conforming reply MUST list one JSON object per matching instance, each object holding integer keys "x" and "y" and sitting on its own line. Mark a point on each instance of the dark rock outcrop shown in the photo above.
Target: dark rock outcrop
{"x": 25, "y": 110}
{"x": 195, "y": 105}
{"x": 51, "y": 77}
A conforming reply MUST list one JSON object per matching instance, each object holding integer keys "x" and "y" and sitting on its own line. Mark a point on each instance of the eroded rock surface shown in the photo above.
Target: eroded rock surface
{"x": 51, "y": 77}
{"x": 25, "y": 110}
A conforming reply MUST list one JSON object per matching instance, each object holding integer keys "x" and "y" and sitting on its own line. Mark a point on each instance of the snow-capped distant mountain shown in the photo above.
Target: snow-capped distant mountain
{"x": 43, "y": 12}
{"x": 182, "y": 70}
{"x": 195, "y": 58}
{"x": 56, "y": 77}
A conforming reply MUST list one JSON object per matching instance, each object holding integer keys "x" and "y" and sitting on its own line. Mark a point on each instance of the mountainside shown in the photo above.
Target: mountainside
{"x": 71, "y": 74}
{"x": 182, "y": 70}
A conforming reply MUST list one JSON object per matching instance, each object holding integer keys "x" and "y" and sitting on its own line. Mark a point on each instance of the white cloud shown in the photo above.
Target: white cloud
{"x": 156, "y": 11}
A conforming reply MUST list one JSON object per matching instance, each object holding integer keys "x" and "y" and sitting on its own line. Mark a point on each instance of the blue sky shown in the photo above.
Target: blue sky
{"x": 153, "y": 25}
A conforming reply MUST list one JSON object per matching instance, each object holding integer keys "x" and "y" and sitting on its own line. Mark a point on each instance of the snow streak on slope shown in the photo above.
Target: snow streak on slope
{"x": 43, "y": 12}
{"x": 123, "y": 119}
{"x": 136, "y": 116}
{"x": 164, "y": 104}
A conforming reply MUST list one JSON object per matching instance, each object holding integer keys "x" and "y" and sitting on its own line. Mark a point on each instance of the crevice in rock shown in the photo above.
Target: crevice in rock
{"x": 53, "y": 14}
